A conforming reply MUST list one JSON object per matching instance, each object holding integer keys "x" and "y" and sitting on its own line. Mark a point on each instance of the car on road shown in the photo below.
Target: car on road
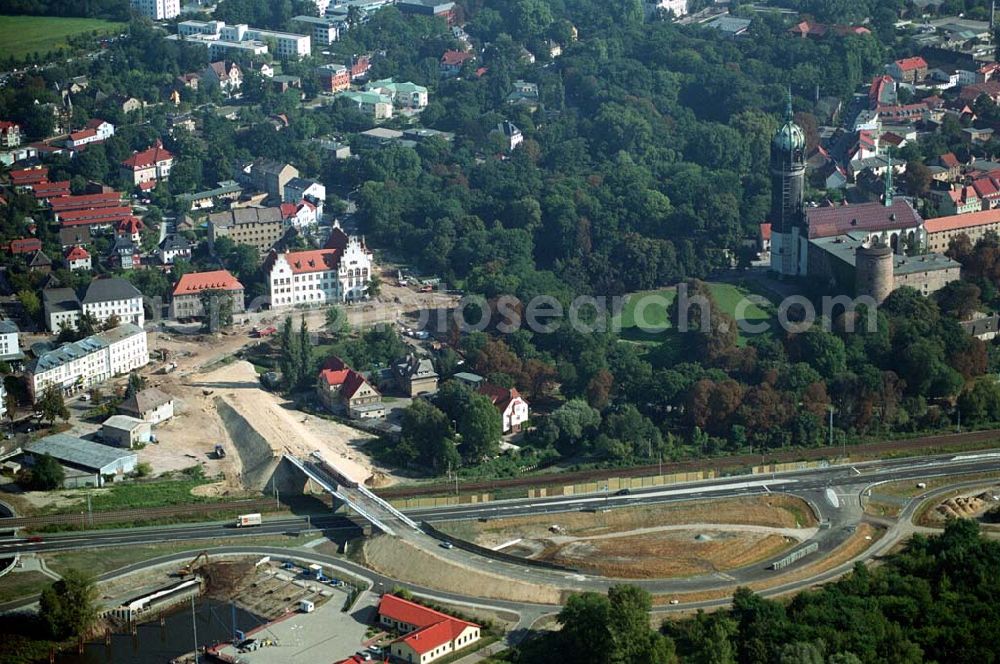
{"x": 447, "y": 545}
{"x": 623, "y": 492}
{"x": 35, "y": 539}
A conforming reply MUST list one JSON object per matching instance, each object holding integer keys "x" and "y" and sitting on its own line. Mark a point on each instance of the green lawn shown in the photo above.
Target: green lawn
{"x": 22, "y": 584}
{"x": 650, "y": 307}
{"x": 24, "y": 35}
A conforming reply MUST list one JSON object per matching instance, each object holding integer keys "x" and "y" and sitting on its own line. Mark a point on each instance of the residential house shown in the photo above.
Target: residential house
{"x": 40, "y": 263}
{"x": 125, "y": 253}
{"x": 908, "y": 70}
{"x": 524, "y": 94}
{"x": 415, "y": 376}
{"x": 340, "y": 388}
{"x": 10, "y": 135}
{"x": 956, "y": 199}
{"x": 150, "y": 405}
{"x": 283, "y": 83}
{"x": 427, "y": 635}
{"x": 319, "y": 276}
{"x": 78, "y": 366}
{"x": 975, "y": 135}
{"x": 270, "y": 176}
{"x": 372, "y": 104}
{"x": 403, "y": 95}
{"x": 173, "y": 247}
{"x": 511, "y": 134}
{"x": 509, "y": 403}
{"x": 299, "y": 215}
{"x": 360, "y": 65}
{"x": 951, "y": 164}
{"x": 187, "y": 303}
{"x": 130, "y": 227}
{"x": 95, "y": 131}
{"x": 226, "y": 75}
{"x": 333, "y": 78}
{"x": 77, "y": 258}
{"x": 114, "y": 297}
{"x": 452, "y": 62}
{"x": 304, "y": 189}
{"x": 190, "y": 81}
{"x": 149, "y": 166}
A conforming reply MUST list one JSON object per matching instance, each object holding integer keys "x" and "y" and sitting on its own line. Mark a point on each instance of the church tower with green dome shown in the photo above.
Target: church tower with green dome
{"x": 788, "y": 170}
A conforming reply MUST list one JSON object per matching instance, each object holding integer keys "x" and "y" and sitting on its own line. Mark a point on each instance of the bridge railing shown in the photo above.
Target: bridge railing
{"x": 384, "y": 504}
{"x": 325, "y": 481}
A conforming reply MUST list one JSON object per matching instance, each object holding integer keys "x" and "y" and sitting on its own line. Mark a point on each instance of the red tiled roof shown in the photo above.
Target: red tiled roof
{"x": 130, "y": 225}
{"x": 334, "y": 376}
{"x": 765, "y": 231}
{"x": 910, "y": 64}
{"x": 287, "y": 210}
{"x": 147, "y": 158}
{"x": 838, "y": 220}
{"x": 94, "y": 217}
{"x": 95, "y": 123}
{"x": 315, "y": 260}
{"x": 195, "y": 282}
{"x": 456, "y": 58}
{"x": 147, "y": 186}
{"x": 500, "y": 396}
{"x": 82, "y": 134}
{"x": 24, "y": 176}
{"x": 949, "y": 160}
{"x": 352, "y": 383}
{"x": 25, "y": 245}
{"x": 434, "y": 628}
{"x": 959, "y": 221}
{"x": 986, "y": 187}
{"x": 51, "y": 189}
{"x": 6, "y": 126}
{"x": 85, "y": 202}
{"x": 77, "y": 253}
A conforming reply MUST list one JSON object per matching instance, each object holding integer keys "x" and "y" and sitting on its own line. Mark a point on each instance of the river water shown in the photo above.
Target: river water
{"x": 156, "y": 644}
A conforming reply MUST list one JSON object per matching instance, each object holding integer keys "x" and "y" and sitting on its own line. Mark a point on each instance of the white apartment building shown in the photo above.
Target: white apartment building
{"x": 218, "y": 36}
{"x": 10, "y": 345}
{"x": 324, "y": 31}
{"x": 114, "y": 297}
{"x": 320, "y": 276}
{"x": 157, "y": 10}
{"x": 78, "y": 366}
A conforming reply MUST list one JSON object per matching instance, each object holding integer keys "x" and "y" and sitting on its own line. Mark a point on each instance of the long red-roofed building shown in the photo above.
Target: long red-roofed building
{"x": 85, "y": 202}
{"x": 25, "y": 245}
{"x": 428, "y": 635}
{"x": 100, "y": 217}
{"x": 974, "y": 225}
{"x": 186, "y": 302}
{"x": 26, "y": 177}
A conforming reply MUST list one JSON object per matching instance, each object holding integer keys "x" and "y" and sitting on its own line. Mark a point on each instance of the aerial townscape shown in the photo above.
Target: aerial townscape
{"x": 499, "y": 331}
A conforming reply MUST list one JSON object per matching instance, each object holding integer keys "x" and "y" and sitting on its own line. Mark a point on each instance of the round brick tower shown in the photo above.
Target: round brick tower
{"x": 873, "y": 271}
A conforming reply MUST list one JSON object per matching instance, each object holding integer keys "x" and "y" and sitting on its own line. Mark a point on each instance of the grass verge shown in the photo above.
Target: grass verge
{"x": 22, "y": 584}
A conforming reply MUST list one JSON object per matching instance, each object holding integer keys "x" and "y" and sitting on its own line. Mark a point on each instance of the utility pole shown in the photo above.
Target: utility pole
{"x": 194, "y": 628}
{"x": 90, "y": 512}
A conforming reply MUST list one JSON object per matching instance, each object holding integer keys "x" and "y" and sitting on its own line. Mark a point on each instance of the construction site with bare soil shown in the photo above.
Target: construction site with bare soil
{"x": 973, "y": 503}
{"x": 658, "y": 541}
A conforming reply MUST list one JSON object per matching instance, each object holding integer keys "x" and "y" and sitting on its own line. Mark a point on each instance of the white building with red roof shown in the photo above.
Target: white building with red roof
{"x": 511, "y": 405}
{"x": 152, "y": 165}
{"x": 187, "y": 296}
{"x": 77, "y": 258}
{"x": 427, "y": 635}
{"x": 95, "y": 131}
{"x": 452, "y": 62}
{"x": 300, "y": 215}
{"x": 337, "y": 273}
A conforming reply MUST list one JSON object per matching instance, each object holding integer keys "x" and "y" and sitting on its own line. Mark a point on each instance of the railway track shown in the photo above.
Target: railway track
{"x": 719, "y": 464}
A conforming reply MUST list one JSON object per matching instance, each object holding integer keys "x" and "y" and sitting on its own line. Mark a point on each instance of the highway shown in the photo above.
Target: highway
{"x": 833, "y": 492}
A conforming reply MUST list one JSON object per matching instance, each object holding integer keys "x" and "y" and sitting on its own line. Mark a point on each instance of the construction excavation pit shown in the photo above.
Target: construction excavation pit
{"x": 654, "y": 541}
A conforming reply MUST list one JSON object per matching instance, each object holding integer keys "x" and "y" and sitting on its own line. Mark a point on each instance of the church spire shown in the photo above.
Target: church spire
{"x": 788, "y": 108}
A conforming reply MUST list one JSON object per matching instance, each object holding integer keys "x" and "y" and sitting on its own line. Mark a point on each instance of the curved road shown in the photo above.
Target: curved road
{"x": 834, "y": 493}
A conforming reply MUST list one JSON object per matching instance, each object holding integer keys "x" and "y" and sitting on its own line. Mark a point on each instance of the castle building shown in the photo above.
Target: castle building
{"x": 868, "y": 248}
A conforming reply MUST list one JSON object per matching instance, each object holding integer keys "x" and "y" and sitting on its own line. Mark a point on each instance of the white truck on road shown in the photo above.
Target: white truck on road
{"x": 244, "y": 520}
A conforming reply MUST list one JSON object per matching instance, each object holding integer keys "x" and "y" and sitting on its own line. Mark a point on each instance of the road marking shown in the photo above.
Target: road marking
{"x": 506, "y": 544}
{"x": 831, "y": 497}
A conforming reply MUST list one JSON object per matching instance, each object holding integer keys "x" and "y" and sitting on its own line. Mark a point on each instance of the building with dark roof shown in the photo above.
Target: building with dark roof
{"x": 150, "y": 405}
{"x": 114, "y": 297}
{"x": 260, "y": 228}
{"x": 61, "y": 307}
{"x": 415, "y": 375}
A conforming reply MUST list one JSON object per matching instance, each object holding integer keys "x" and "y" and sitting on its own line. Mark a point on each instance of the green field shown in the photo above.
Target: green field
{"x": 651, "y": 308}
{"x": 22, "y": 36}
